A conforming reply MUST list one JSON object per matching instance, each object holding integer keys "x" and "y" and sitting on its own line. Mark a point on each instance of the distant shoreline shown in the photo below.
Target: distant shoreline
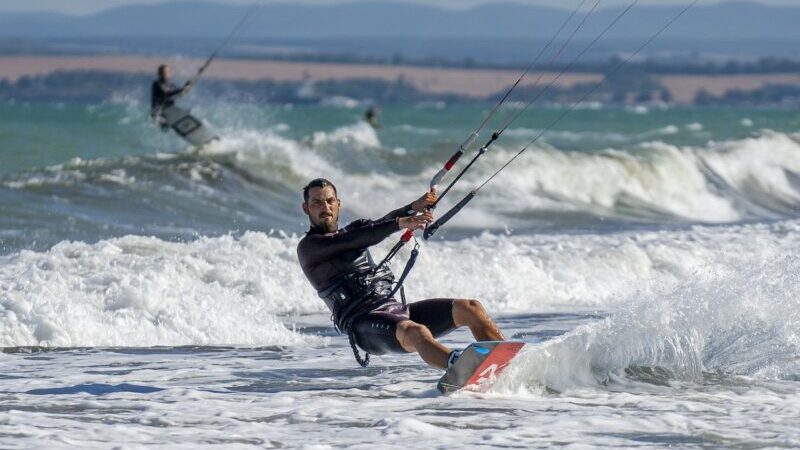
{"x": 476, "y": 83}
{"x": 468, "y": 83}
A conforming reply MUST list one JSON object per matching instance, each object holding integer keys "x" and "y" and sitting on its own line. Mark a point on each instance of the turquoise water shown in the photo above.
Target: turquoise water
{"x": 89, "y": 172}
{"x": 35, "y": 135}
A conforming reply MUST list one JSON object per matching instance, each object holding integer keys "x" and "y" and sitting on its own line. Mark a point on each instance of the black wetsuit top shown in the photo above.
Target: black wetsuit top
{"x": 163, "y": 95}
{"x": 326, "y": 257}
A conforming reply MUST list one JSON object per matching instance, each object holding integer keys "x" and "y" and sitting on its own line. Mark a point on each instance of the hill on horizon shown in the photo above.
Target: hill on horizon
{"x": 503, "y": 33}
{"x": 737, "y": 20}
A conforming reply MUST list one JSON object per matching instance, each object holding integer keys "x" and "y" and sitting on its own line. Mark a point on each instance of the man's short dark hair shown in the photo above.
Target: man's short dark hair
{"x": 317, "y": 183}
{"x": 161, "y": 69}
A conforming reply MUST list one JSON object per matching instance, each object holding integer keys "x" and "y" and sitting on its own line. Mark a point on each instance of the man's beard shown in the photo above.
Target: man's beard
{"x": 326, "y": 226}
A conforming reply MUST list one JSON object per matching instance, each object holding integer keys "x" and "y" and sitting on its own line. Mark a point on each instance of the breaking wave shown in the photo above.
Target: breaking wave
{"x": 251, "y": 180}
{"x": 724, "y": 321}
{"x": 138, "y": 291}
{"x": 728, "y": 181}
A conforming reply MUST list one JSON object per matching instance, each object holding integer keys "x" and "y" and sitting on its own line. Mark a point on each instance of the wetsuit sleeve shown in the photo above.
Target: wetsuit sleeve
{"x": 405, "y": 211}
{"x": 174, "y": 92}
{"x": 316, "y": 248}
{"x": 162, "y": 93}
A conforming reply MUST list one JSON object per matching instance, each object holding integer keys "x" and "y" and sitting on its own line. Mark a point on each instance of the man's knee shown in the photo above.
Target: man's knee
{"x": 468, "y": 309}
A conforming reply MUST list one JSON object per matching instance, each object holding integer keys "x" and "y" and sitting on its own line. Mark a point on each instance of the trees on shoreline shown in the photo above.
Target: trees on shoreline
{"x": 631, "y": 85}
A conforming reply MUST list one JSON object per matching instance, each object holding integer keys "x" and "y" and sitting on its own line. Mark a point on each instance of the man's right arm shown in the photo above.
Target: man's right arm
{"x": 315, "y": 248}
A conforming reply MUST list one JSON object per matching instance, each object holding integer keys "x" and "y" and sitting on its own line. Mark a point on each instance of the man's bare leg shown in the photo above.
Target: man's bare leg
{"x": 414, "y": 337}
{"x": 471, "y": 313}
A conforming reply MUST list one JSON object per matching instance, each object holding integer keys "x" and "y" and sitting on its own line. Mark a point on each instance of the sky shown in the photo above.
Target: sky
{"x": 90, "y": 6}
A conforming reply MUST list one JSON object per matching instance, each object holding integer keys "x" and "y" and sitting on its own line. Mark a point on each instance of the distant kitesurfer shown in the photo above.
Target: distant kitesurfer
{"x": 338, "y": 264}
{"x": 371, "y": 116}
{"x": 164, "y": 93}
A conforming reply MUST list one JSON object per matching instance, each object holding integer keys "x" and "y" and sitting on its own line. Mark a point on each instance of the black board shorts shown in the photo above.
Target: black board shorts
{"x": 375, "y": 331}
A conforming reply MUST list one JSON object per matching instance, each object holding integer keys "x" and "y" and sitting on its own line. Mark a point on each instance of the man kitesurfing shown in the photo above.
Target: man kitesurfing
{"x": 359, "y": 292}
{"x": 163, "y": 95}
{"x": 162, "y": 103}
{"x": 170, "y": 116}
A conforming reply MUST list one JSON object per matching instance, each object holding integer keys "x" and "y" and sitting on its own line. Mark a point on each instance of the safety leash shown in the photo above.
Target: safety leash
{"x": 412, "y": 259}
{"x": 363, "y": 362}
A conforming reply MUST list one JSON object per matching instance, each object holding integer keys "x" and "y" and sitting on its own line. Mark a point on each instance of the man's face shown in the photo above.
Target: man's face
{"x": 165, "y": 74}
{"x": 322, "y": 208}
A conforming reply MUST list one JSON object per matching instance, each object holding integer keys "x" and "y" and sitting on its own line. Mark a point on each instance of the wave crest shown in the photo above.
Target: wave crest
{"x": 739, "y": 320}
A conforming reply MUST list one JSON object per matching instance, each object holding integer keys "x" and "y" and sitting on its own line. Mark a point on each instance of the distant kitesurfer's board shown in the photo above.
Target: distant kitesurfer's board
{"x": 479, "y": 366}
{"x": 187, "y": 126}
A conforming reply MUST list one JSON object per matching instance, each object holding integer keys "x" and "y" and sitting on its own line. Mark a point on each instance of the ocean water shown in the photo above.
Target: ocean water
{"x": 150, "y": 294}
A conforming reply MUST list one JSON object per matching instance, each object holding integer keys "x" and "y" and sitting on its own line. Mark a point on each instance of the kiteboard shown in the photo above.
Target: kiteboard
{"x": 478, "y": 367}
{"x": 187, "y": 126}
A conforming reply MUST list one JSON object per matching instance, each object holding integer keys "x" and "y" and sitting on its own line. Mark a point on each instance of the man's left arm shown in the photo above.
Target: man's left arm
{"x": 175, "y": 92}
{"x": 405, "y": 211}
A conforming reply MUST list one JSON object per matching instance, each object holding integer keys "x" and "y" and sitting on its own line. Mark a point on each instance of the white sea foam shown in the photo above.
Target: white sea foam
{"x": 417, "y": 130}
{"x": 724, "y": 182}
{"x": 339, "y": 101}
{"x": 666, "y": 181}
{"x": 566, "y": 135}
{"x": 760, "y": 168}
{"x": 358, "y": 136}
{"x": 137, "y": 291}
{"x": 234, "y": 399}
{"x": 530, "y": 273}
{"x": 668, "y": 130}
{"x": 740, "y": 322}
{"x": 704, "y": 321}
{"x": 694, "y": 126}
{"x": 639, "y": 109}
{"x": 270, "y": 156}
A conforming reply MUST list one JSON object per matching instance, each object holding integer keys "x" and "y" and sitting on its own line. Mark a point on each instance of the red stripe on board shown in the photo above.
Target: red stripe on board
{"x": 494, "y": 364}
